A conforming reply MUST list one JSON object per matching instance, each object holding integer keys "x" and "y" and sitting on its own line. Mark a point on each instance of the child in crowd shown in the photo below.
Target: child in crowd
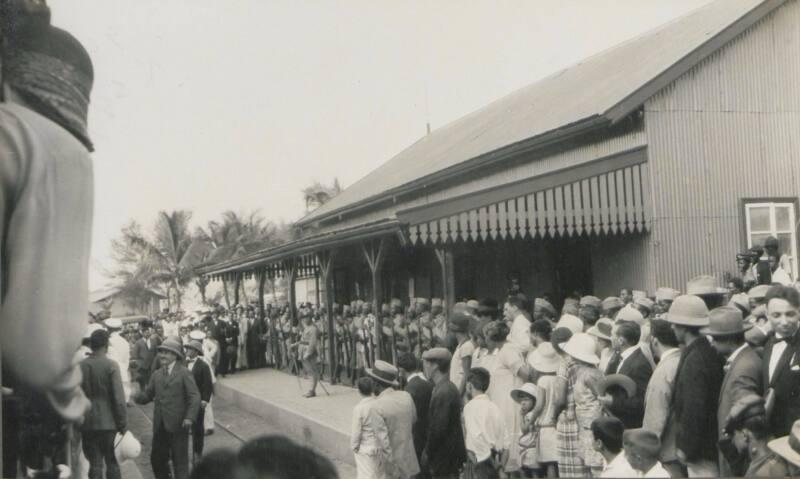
{"x": 485, "y": 429}
{"x": 530, "y": 398}
{"x": 369, "y": 436}
{"x": 545, "y": 361}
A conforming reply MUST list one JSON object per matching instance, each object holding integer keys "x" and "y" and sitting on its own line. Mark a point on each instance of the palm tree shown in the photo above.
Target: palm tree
{"x": 172, "y": 253}
{"x": 236, "y": 236}
{"x": 318, "y": 194}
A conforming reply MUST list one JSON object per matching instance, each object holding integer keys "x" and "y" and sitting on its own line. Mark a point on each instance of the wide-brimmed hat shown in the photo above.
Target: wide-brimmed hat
{"x": 758, "y": 292}
{"x": 194, "y": 344}
{"x": 667, "y": 294}
{"x": 704, "y": 285}
{"x": 630, "y": 314}
{"x": 197, "y": 335}
{"x": 617, "y": 381}
{"x": 612, "y": 302}
{"x": 172, "y": 346}
{"x": 544, "y": 358}
{"x": 582, "y": 347}
{"x": 644, "y": 302}
{"x": 788, "y": 447}
{"x": 384, "y": 372}
{"x": 591, "y": 301}
{"x": 741, "y": 301}
{"x": 688, "y": 310}
{"x": 473, "y": 304}
{"x": 459, "y": 323}
{"x": 436, "y": 354}
{"x": 602, "y": 329}
{"x": 113, "y": 323}
{"x": 638, "y": 294}
{"x": 725, "y": 321}
{"x": 528, "y": 390}
{"x": 540, "y": 304}
{"x": 126, "y": 447}
{"x": 571, "y": 322}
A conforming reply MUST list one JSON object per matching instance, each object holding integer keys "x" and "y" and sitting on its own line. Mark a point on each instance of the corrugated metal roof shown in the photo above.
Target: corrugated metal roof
{"x": 604, "y": 87}
{"x": 102, "y": 294}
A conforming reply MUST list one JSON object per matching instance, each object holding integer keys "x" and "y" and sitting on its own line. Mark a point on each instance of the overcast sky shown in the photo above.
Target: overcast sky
{"x": 210, "y": 106}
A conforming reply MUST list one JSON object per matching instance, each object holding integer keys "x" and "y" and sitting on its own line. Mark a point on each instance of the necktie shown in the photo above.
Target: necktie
{"x": 616, "y": 359}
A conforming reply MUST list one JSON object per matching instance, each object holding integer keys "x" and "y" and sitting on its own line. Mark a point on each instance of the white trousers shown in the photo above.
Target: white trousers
{"x": 369, "y": 467}
{"x": 208, "y": 419}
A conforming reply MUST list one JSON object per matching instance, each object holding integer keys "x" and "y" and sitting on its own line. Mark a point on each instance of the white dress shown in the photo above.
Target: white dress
{"x": 120, "y": 351}
{"x": 503, "y": 365}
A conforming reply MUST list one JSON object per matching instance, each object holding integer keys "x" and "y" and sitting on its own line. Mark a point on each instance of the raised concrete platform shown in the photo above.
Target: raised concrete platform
{"x": 322, "y": 423}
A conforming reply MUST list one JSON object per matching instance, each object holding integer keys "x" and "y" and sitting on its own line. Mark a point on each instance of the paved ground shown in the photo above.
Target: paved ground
{"x": 234, "y": 426}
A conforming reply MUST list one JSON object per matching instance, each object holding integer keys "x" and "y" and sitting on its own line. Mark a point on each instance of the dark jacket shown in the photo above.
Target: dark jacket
{"x": 102, "y": 384}
{"x": 631, "y": 410}
{"x": 695, "y": 401}
{"x": 742, "y": 378}
{"x": 786, "y": 383}
{"x": 144, "y": 356}
{"x": 445, "y": 452}
{"x": 176, "y": 397}
{"x": 202, "y": 378}
{"x": 420, "y": 391}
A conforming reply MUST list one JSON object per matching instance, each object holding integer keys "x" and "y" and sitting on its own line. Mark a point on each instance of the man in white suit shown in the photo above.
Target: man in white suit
{"x": 120, "y": 351}
{"x": 657, "y": 399}
{"x": 399, "y": 413}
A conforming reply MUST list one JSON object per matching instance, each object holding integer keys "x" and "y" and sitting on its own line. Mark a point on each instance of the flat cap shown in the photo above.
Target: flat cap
{"x": 591, "y": 301}
{"x": 612, "y": 302}
{"x": 758, "y": 292}
{"x": 437, "y": 354}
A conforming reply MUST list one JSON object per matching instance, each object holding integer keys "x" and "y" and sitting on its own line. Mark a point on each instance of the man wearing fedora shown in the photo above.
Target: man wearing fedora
{"x": 145, "y": 353}
{"x": 658, "y": 416}
{"x": 398, "y": 412}
{"x": 781, "y": 366}
{"x": 742, "y": 369}
{"x": 697, "y": 387}
{"x": 177, "y": 404}
{"x": 205, "y": 384}
{"x": 420, "y": 389}
{"x": 108, "y": 415}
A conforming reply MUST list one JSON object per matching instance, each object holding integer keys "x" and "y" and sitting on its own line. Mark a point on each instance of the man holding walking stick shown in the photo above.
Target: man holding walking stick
{"x": 177, "y": 403}
{"x": 307, "y": 349}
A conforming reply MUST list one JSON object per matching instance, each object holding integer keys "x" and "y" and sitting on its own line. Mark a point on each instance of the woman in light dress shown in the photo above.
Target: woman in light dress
{"x": 508, "y": 371}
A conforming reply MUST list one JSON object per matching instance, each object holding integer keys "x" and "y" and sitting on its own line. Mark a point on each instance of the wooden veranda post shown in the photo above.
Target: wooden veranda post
{"x": 261, "y": 276}
{"x": 445, "y": 257}
{"x": 374, "y": 255}
{"x": 325, "y": 260}
{"x": 290, "y": 267}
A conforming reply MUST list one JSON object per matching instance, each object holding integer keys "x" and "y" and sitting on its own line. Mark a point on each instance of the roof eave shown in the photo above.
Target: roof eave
{"x": 581, "y": 127}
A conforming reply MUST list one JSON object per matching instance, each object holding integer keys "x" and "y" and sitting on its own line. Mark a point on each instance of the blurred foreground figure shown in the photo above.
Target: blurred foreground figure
{"x": 46, "y": 194}
{"x": 46, "y": 197}
{"x": 277, "y": 457}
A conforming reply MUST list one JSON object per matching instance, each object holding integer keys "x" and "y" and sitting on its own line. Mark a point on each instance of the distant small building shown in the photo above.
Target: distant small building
{"x": 118, "y": 304}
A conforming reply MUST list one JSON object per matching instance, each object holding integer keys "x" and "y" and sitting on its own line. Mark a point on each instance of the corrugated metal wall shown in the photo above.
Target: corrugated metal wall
{"x": 728, "y": 129}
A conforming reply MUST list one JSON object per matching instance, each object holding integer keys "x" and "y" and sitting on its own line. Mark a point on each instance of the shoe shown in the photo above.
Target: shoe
{"x": 209, "y": 432}
{"x": 310, "y": 394}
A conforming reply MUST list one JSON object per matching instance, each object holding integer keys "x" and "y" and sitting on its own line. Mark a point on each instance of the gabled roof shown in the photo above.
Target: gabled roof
{"x": 594, "y": 93}
{"x": 105, "y": 293}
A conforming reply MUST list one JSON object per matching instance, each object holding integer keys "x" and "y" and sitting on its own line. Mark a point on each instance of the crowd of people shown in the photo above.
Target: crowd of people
{"x": 704, "y": 383}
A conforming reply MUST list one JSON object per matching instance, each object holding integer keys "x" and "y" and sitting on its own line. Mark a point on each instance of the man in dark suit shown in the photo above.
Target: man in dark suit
{"x": 144, "y": 354}
{"x": 202, "y": 378}
{"x": 445, "y": 451}
{"x": 781, "y": 366}
{"x": 420, "y": 390}
{"x": 220, "y": 333}
{"x": 630, "y": 362}
{"x": 177, "y": 403}
{"x": 742, "y": 372}
{"x": 102, "y": 384}
{"x": 697, "y": 386}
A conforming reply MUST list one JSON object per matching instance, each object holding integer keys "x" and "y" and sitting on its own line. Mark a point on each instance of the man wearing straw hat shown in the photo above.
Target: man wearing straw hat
{"x": 177, "y": 404}
{"x": 108, "y": 415}
{"x": 697, "y": 387}
{"x": 398, "y": 412}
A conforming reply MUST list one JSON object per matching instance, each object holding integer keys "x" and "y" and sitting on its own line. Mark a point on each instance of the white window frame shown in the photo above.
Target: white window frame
{"x": 773, "y": 231}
